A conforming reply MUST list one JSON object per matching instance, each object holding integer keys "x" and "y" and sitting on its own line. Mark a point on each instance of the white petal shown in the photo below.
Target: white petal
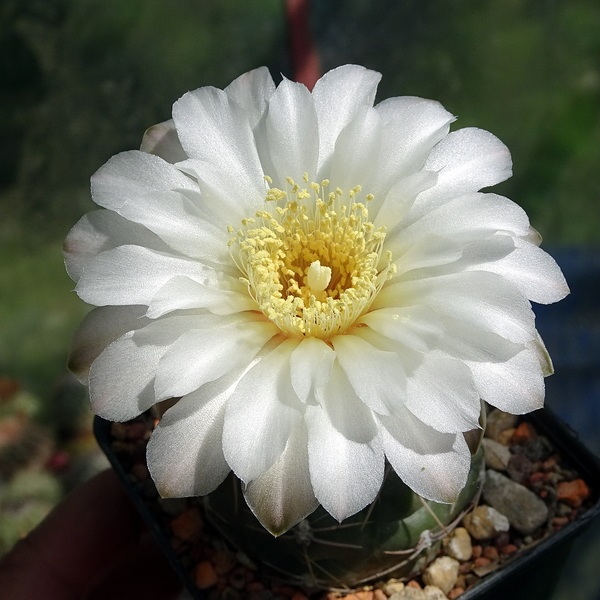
{"x": 468, "y": 342}
{"x": 292, "y": 133}
{"x": 310, "y": 367}
{"x": 99, "y": 328}
{"x": 515, "y": 386}
{"x": 162, "y": 140}
{"x": 200, "y": 356}
{"x": 483, "y": 299}
{"x": 533, "y": 271}
{"x": 417, "y": 327}
{"x": 357, "y": 151}
{"x": 377, "y": 376}
{"x": 338, "y": 96}
{"x": 430, "y": 251}
{"x": 441, "y": 393}
{"x": 224, "y": 198}
{"x": 434, "y": 465}
{"x": 133, "y": 275}
{"x": 283, "y": 495}
{"x": 261, "y": 413}
{"x": 179, "y": 222}
{"x": 180, "y": 293}
{"x": 185, "y": 452}
{"x": 346, "y": 411}
{"x": 390, "y": 209}
{"x": 102, "y": 230}
{"x": 252, "y": 92}
{"x": 215, "y": 131}
{"x": 133, "y": 174}
{"x": 412, "y": 127}
{"x": 475, "y": 214}
{"x": 466, "y": 161}
{"x": 121, "y": 378}
{"x": 346, "y": 475}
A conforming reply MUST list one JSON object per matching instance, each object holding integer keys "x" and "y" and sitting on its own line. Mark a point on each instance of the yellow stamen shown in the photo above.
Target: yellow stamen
{"x": 311, "y": 261}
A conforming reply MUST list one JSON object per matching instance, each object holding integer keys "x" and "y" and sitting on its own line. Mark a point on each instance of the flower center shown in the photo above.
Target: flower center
{"x": 310, "y": 258}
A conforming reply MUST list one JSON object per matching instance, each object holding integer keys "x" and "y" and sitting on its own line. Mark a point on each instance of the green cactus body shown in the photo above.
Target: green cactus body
{"x": 393, "y": 537}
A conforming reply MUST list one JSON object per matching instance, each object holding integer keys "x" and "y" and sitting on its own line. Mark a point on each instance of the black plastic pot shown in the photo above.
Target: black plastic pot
{"x": 531, "y": 576}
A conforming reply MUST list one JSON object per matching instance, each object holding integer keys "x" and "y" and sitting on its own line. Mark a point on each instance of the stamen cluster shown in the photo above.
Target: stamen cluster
{"x": 310, "y": 262}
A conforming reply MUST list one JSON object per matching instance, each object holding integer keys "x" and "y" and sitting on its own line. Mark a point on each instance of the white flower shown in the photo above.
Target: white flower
{"x": 321, "y": 282}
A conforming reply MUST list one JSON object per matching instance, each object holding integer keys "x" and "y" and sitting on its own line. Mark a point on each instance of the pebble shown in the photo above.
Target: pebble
{"x": 573, "y": 492}
{"x": 537, "y": 449}
{"x": 482, "y": 561}
{"x": 497, "y": 422}
{"x": 455, "y": 593}
{"x": 496, "y": 455}
{"x": 393, "y": 587}
{"x": 524, "y": 510}
{"x": 508, "y": 549}
{"x": 485, "y": 521}
{"x": 205, "y": 575}
{"x": 442, "y": 572}
{"x": 409, "y": 593}
{"x": 519, "y": 468}
{"x": 491, "y": 552}
{"x": 523, "y": 433}
{"x": 458, "y": 544}
{"x": 379, "y": 595}
{"x": 432, "y": 592}
{"x": 504, "y": 437}
{"x": 188, "y": 525}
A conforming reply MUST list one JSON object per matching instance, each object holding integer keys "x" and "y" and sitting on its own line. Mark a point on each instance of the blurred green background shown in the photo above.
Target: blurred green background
{"x": 80, "y": 80}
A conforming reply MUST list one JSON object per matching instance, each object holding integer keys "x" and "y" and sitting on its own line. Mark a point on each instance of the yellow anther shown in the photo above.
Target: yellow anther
{"x": 311, "y": 265}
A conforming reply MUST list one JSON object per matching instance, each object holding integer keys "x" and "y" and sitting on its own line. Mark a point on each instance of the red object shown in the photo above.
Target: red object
{"x": 305, "y": 60}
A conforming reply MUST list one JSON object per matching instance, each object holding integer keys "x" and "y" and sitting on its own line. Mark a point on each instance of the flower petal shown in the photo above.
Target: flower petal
{"x": 215, "y": 131}
{"x": 261, "y": 414}
{"x": 434, "y": 465}
{"x": 474, "y": 215}
{"x": 468, "y": 342}
{"x": 282, "y": 496}
{"x": 99, "y": 328}
{"x": 180, "y": 224}
{"x": 310, "y": 367}
{"x": 466, "y": 161}
{"x": 292, "y": 133}
{"x": 199, "y": 356}
{"x": 185, "y": 451}
{"x": 357, "y": 150}
{"x": 346, "y": 411}
{"x": 162, "y": 140}
{"x": 102, "y": 230}
{"x": 411, "y": 128}
{"x": 533, "y": 271}
{"x": 515, "y": 386}
{"x": 477, "y": 297}
{"x": 338, "y": 96}
{"x": 345, "y": 475}
{"x": 133, "y": 275}
{"x": 416, "y": 327}
{"x": 430, "y": 251}
{"x": 180, "y": 293}
{"x": 121, "y": 378}
{"x": 441, "y": 393}
{"x": 252, "y": 92}
{"x": 377, "y": 376}
{"x": 134, "y": 174}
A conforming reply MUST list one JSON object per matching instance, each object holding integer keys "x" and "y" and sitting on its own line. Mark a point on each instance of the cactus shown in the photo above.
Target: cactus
{"x": 395, "y": 536}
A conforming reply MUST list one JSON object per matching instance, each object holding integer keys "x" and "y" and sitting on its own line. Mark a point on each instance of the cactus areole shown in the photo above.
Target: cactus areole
{"x": 321, "y": 285}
